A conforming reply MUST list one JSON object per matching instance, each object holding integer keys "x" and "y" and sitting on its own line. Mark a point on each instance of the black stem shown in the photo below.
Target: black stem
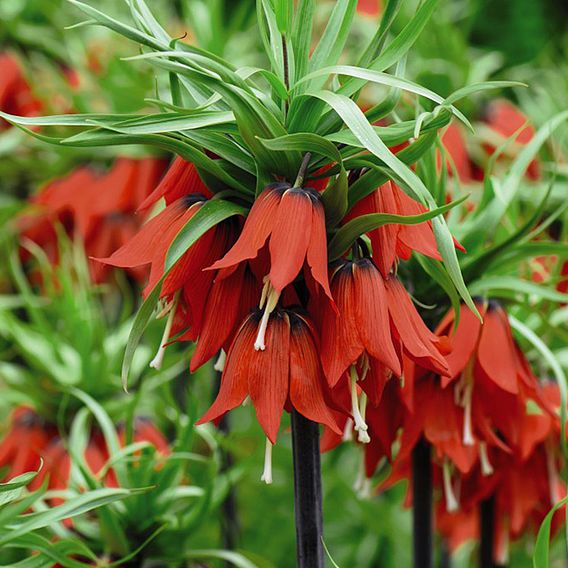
{"x": 486, "y": 532}
{"x": 422, "y": 504}
{"x": 307, "y": 492}
{"x": 229, "y": 517}
{"x": 302, "y": 171}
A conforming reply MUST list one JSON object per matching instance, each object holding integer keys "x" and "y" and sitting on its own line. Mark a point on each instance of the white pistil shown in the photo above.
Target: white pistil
{"x": 360, "y": 424}
{"x": 267, "y": 473}
{"x": 486, "y": 467}
{"x": 269, "y": 299}
{"x": 452, "y": 504}
{"x": 220, "y": 363}
{"x": 156, "y": 362}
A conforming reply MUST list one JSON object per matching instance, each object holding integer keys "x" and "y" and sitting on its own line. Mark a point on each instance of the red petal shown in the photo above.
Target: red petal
{"x": 317, "y": 249}
{"x": 290, "y": 237}
{"x": 234, "y": 381}
{"x": 180, "y": 180}
{"x": 141, "y": 249}
{"x": 496, "y": 351}
{"x": 417, "y": 339}
{"x": 464, "y": 340}
{"x": 256, "y": 230}
{"x": 306, "y": 380}
{"x": 221, "y": 313}
{"x": 269, "y": 375}
{"x": 372, "y": 315}
{"x": 341, "y": 344}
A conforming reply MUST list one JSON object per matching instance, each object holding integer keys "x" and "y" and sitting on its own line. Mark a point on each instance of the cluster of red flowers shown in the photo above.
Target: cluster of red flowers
{"x": 31, "y": 442}
{"x": 96, "y": 208}
{"x": 491, "y": 424}
{"x": 297, "y": 333}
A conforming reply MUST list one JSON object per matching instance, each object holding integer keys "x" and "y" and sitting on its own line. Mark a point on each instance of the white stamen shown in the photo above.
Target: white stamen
{"x": 366, "y": 490}
{"x": 220, "y": 363}
{"x": 486, "y": 467}
{"x": 360, "y": 479}
{"x": 271, "y": 297}
{"x": 157, "y": 361}
{"x": 452, "y": 504}
{"x": 348, "y": 431}
{"x": 503, "y": 547}
{"x": 467, "y": 429}
{"x": 267, "y": 473}
{"x": 552, "y": 475}
{"x": 246, "y": 401}
{"x": 360, "y": 424}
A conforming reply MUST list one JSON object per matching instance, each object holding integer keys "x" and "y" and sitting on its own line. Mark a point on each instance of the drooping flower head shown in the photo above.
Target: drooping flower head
{"x": 374, "y": 327}
{"x": 292, "y": 221}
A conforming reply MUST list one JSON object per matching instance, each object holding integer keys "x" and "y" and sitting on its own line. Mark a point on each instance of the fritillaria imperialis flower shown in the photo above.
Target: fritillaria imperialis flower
{"x": 374, "y": 327}
{"x": 292, "y": 221}
{"x": 286, "y": 374}
{"x": 25, "y": 442}
{"x": 523, "y": 484}
{"x": 506, "y": 119}
{"x": 99, "y": 209}
{"x": 16, "y": 96}
{"x": 392, "y": 241}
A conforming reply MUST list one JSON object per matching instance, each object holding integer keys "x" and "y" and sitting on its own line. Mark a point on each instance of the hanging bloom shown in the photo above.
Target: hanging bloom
{"x": 504, "y": 118}
{"x": 185, "y": 288}
{"x": 180, "y": 180}
{"x": 457, "y": 159}
{"x": 96, "y": 208}
{"x": 292, "y": 219}
{"x": 16, "y": 96}
{"x": 287, "y": 374}
{"x": 25, "y": 442}
{"x": 393, "y": 241}
{"x": 233, "y": 295}
{"x": 375, "y": 325}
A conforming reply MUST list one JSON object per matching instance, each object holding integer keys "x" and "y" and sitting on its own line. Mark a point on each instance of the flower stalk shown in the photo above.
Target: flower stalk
{"x": 307, "y": 492}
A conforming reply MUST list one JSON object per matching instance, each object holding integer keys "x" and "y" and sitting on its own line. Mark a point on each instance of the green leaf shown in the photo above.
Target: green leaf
{"x": 333, "y": 39}
{"x": 398, "y": 47}
{"x": 355, "y": 120}
{"x": 335, "y": 199}
{"x": 352, "y": 230}
{"x": 492, "y": 285}
{"x": 302, "y": 35}
{"x": 71, "y": 508}
{"x": 469, "y": 90}
{"x": 304, "y": 142}
{"x": 18, "y": 481}
{"x": 541, "y": 548}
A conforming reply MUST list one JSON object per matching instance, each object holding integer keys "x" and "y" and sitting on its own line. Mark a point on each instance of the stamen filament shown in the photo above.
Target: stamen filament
{"x": 451, "y": 501}
{"x": 271, "y": 297}
{"x": 348, "y": 431}
{"x": 360, "y": 424}
{"x": 486, "y": 467}
{"x": 157, "y": 361}
{"x": 220, "y": 363}
{"x": 467, "y": 428}
{"x": 267, "y": 473}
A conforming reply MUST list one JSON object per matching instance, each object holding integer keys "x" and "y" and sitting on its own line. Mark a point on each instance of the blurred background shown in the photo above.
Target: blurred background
{"x": 48, "y": 65}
